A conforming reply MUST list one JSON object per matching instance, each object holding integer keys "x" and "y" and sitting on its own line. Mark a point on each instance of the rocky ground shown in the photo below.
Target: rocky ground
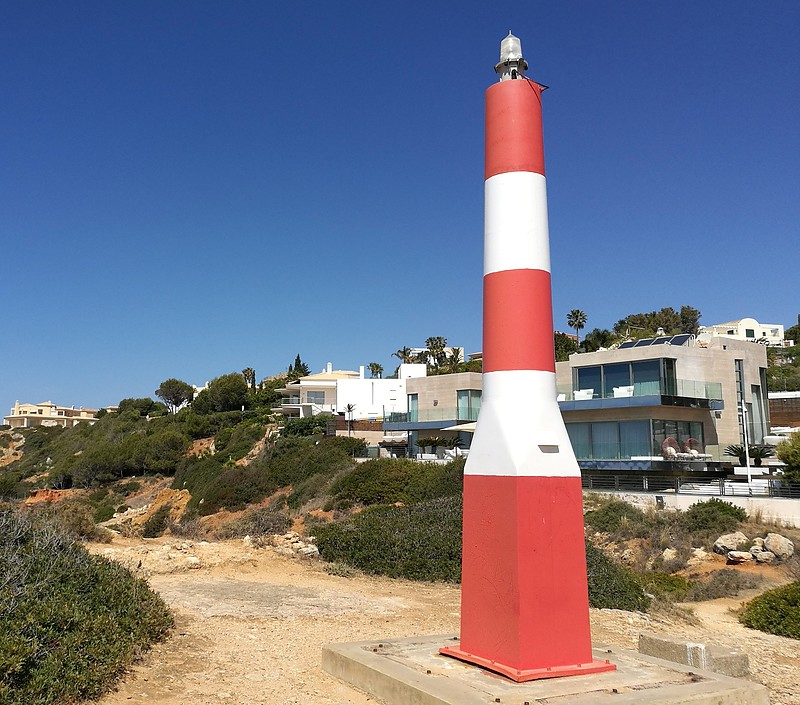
{"x": 251, "y": 622}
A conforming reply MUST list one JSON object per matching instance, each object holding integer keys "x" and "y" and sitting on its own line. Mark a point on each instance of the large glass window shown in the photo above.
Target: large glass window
{"x": 634, "y": 438}
{"x": 413, "y": 407}
{"x": 468, "y": 403}
{"x": 587, "y": 378}
{"x": 580, "y": 438}
{"x": 670, "y": 378}
{"x": 646, "y": 377}
{"x": 605, "y": 440}
{"x": 616, "y": 376}
{"x": 315, "y": 397}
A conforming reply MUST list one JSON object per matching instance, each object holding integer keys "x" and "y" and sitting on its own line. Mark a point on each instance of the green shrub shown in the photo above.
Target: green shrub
{"x": 381, "y": 481}
{"x": 128, "y": 487}
{"x": 102, "y": 512}
{"x": 721, "y": 583}
{"x": 355, "y": 447}
{"x": 258, "y": 522}
{"x": 615, "y": 515}
{"x": 234, "y": 489}
{"x": 73, "y": 517}
{"x": 70, "y": 622}
{"x": 307, "y": 425}
{"x": 157, "y": 523}
{"x": 10, "y": 487}
{"x": 611, "y": 586}
{"x": 712, "y": 517}
{"x": 390, "y": 480}
{"x": 673, "y": 587}
{"x": 775, "y": 612}
{"x": 421, "y": 542}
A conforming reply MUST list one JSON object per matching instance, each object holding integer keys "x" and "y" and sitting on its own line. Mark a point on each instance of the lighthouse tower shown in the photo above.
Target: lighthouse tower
{"x": 524, "y": 598}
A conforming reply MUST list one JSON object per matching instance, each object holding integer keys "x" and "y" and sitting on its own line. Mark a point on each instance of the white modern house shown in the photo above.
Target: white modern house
{"x": 748, "y": 329}
{"x": 335, "y": 391}
{"x": 48, "y": 414}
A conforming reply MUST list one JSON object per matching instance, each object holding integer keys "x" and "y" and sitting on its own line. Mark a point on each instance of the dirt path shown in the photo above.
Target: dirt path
{"x": 251, "y": 624}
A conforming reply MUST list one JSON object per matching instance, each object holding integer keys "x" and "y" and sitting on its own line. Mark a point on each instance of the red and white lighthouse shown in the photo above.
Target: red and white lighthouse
{"x": 524, "y": 599}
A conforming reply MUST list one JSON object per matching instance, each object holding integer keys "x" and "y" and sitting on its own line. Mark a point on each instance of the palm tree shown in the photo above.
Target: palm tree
{"x": 598, "y": 338}
{"x": 404, "y": 354}
{"x": 452, "y": 361}
{"x": 249, "y": 375}
{"x": 375, "y": 370}
{"x": 348, "y": 412}
{"x": 576, "y": 319}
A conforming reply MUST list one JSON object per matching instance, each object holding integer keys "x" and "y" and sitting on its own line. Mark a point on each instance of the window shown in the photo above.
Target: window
{"x": 615, "y": 376}
{"x": 605, "y": 440}
{"x": 468, "y": 403}
{"x": 634, "y": 438}
{"x": 646, "y": 377}
{"x": 588, "y": 378}
{"x": 580, "y": 438}
{"x": 413, "y": 407}
{"x": 749, "y": 333}
{"x": 315, "y": 397}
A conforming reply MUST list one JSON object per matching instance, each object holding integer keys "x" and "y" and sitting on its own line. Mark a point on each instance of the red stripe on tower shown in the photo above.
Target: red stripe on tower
{"x": 524, "y": 597}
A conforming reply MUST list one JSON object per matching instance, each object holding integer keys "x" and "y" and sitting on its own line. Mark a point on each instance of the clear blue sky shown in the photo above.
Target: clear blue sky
{"x": 191, "y": 188}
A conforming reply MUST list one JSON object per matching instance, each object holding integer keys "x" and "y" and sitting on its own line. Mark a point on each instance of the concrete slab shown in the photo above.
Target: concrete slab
{"x": 412, "y": 672}
{"x": 708, "y": 657}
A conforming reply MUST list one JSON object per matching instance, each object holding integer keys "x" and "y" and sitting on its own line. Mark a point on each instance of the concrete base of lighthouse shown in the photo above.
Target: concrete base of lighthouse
{"x": 413, "y": 672}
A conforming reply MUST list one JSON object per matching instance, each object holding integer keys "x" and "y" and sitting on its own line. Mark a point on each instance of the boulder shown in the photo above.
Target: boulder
{"x": 669, "y": 554}
{"x": 698, "y": 556}
{"x": 765, "y": 557}
{"x": 780, "y": 546}
{"x": 729, "y": 542}
{"x": 735, "y": 557}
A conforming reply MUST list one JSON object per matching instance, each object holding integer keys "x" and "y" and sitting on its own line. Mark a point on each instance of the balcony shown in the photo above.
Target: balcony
{"x": 677, "y": 392}
{"x": 432, "y": 415}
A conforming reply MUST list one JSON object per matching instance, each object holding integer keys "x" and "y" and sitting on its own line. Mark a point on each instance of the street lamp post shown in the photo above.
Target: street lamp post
{"x": 746, "y": 441}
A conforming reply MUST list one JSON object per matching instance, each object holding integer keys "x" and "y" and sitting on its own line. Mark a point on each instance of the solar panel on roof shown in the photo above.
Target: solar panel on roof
{"x": 679, "y": 339}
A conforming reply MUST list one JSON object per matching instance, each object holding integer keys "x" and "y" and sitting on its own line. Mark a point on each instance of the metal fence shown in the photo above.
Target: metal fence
{"x": 661, "y": 484}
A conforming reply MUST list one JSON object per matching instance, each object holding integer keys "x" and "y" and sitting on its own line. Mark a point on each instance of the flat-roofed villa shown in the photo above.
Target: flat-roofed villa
{"x": 48, "y": 414}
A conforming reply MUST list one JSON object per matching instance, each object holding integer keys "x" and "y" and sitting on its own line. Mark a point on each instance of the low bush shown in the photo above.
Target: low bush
{"x": 157, "y": 523}
{"x": 102, "y": 512}
{"x": 307, "y": 426}
{"x": 616, "y": 515}
{"x": 775, "y": 611}
{"x": 713, "y": 517}
{"x": 612, "y": 586}
{"x": 423, "y": 542}
{"x": 258, "y": 522}
{"x": 721, "y": 583}
{"x": 10, "y": 487}
{"x": 390, "y": 480}
{"x": 74, "y": 517}
{"x": 70, "y": 622}
{"x": 664, "y": 585}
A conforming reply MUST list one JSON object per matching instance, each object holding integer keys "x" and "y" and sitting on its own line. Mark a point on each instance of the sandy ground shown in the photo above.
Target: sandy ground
{"x": 251, "y": 624}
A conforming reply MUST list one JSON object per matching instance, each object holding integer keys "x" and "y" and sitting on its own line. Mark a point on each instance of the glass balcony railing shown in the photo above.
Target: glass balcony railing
{"x": 679, "y": 388}
{"x": 437, "y": 413}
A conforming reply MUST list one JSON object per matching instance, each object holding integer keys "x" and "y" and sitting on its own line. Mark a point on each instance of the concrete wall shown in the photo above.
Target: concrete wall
{"x": 440, "y": 390}
{"x": 371, "y": 396}
{"x": 787, "y": 511}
